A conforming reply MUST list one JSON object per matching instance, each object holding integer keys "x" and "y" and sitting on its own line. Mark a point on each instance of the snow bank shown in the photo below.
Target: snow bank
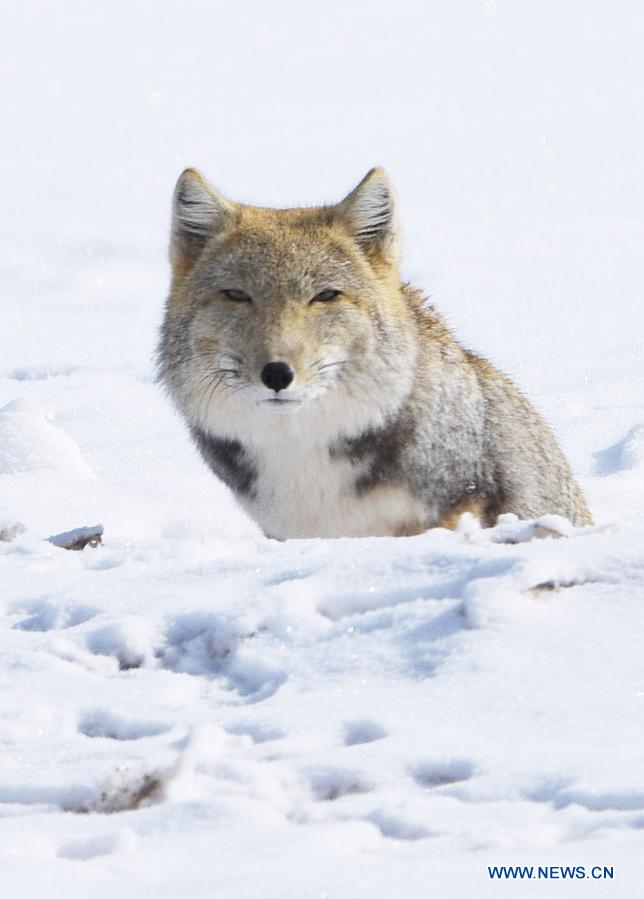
{"x": 28, "y": 442}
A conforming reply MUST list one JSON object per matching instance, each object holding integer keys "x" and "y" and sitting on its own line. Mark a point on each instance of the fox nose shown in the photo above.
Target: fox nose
{"x": 277, "y": 375}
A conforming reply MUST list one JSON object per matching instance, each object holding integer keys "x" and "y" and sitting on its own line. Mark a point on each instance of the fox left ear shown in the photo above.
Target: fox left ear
{"x": 369, "y": 212}
{"x": 198, "y": 212}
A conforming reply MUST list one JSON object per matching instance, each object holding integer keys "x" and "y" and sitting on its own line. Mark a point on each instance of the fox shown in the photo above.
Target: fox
{"x": 329, "y": 395}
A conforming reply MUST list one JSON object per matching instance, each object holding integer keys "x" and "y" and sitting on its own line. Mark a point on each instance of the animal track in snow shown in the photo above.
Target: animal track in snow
{"x": 128, "y": 790}
{"x": 624, "y": 455}
{"x": 600, "y": 801}
{"x": 426, "y": 643}
{"x": 397, "y": 828}
{"x": 547, "y": 789}
{"x": 204, "y": 644}
{"x": 130, "y": 641}
{"x": 46, "y": 616}
{"x": 431, "y": 774}
{"x": 363, "y": 730}
{"x": 128, "y": 787}
{"x": 103, "y": 723}
{"x": 41, "y": 372}
{"x": 198, "y": 643}
{"x": 329, "y": 784}
{"x": 561, "y": 792}
{"x": 259, "y": 732}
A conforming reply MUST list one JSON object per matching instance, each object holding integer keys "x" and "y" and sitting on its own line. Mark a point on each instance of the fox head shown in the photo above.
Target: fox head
{"x": 293, "y": 311}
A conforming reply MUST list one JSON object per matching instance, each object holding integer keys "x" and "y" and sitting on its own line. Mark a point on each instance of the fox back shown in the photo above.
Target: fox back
{"x": 327, "y": 395}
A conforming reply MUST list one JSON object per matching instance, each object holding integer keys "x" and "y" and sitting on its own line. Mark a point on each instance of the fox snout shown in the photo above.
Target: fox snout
{"x": 277, "y": 375}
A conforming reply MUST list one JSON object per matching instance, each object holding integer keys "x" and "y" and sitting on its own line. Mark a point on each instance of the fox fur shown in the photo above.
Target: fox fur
{"x": 388, "y": 425}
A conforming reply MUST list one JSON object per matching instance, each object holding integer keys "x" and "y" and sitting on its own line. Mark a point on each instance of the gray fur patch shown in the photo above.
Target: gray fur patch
{"x": 228, "y": 460}
{"x": 437, "y": 470}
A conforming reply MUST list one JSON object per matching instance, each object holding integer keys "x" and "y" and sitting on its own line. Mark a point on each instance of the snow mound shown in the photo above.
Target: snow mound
{"x": 28, "y": 442}
{"x": 509, "y": 528}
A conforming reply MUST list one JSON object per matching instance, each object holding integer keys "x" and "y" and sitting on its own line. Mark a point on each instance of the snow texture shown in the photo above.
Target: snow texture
{"x": 191, "y": 710}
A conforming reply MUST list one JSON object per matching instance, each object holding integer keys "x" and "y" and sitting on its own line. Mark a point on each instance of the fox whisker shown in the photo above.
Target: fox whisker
{"x": 327, "y": 365}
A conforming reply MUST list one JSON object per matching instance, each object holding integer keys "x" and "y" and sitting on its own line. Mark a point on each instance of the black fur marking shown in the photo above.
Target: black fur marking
{"x": 228, "y": 460}
{"x": 378, "y": 453}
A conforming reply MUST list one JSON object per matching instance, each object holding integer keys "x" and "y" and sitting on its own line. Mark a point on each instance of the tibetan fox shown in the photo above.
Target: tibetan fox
{"x": 330, "y": 397}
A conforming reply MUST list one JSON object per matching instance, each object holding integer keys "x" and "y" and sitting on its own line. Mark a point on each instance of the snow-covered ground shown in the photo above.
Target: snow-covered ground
{"x": 192, "y": 710}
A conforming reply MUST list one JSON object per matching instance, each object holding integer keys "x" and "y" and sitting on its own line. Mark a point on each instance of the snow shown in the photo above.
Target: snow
{"x": 189, "y": 709}
{"x": 28, "y": 442}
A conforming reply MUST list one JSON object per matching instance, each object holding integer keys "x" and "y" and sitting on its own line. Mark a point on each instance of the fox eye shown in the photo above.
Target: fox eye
{"x": 239, "y": 296}
{"x": 325, "y": 295}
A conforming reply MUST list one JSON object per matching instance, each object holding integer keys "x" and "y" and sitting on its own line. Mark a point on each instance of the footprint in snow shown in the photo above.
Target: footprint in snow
{"x": 41, "y": 372}
{"x": 397, "y": 828}
{"x": 259, "y": 732}
{"x": 600, "y": 800}
{"x": 129, "y": 787}
{"x": 431, "y": 774}
{"x": 625, "y": 455}
{"x": 363, "y": 730}
{"x": 204, "y": 644}
{"x": 329, "y": 784}
{"x": 47, "y": 616}
{"x": 130, "y": 640}
{"x": 98, "y": 723}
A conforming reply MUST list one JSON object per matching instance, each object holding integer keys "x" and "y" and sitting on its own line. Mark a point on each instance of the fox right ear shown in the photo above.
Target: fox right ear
{"x": 369, "y": 212}
{"x": 198, "y": 212}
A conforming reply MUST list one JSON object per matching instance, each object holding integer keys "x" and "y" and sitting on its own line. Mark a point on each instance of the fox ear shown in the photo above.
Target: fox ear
{"x": 369, "y": 212}
{"x": 198, "y": 212}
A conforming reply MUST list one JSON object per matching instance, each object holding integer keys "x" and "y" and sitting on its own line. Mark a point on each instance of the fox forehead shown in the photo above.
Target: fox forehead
{"x": 276, "y": 250}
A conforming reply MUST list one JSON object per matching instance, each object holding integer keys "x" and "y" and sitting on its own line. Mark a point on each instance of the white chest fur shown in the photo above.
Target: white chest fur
{"x": 300, "y": 487}
{"x": 304, "y": 491}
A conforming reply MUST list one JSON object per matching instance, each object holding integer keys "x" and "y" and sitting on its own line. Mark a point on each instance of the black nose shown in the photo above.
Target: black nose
{"x": 277, "y": 375}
